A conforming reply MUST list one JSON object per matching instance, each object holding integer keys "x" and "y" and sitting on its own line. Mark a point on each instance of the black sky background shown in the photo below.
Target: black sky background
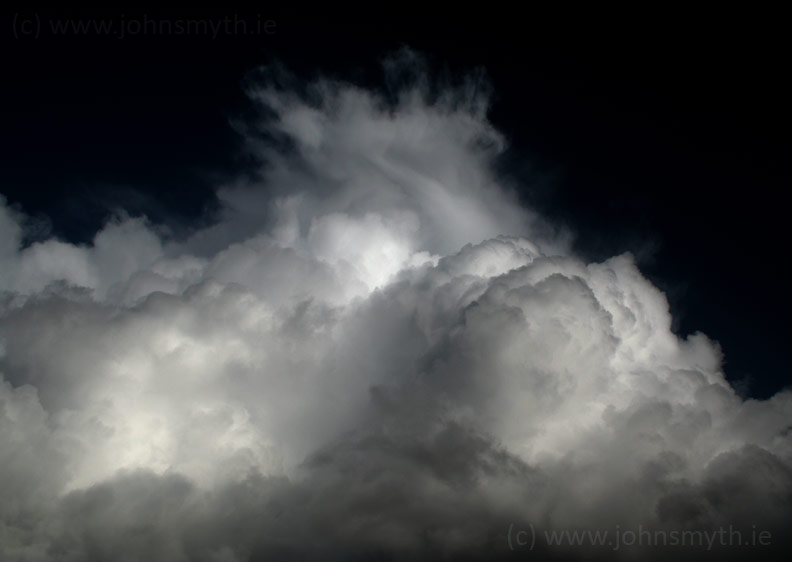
{"x": 664, "y": 134}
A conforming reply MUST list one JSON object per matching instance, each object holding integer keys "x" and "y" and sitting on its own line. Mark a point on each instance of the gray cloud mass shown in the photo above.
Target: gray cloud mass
{"x": 374, "y": 353}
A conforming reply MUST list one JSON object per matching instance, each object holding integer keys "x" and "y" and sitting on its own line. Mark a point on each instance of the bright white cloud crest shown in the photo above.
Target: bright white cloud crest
{"x": 373, "y": 350}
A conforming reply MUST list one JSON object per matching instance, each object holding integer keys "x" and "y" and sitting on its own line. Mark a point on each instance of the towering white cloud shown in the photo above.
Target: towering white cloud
{"x": 372, "y": 353}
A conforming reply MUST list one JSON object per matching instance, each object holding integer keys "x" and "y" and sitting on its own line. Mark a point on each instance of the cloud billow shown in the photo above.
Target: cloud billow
{"x": 375, "y": 352}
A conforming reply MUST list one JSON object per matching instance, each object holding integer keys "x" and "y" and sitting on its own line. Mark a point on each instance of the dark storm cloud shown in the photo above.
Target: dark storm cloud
{"x": 374, "y": 354}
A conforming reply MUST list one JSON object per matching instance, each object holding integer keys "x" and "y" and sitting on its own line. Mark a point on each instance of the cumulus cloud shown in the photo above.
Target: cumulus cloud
{"x": 375, "y": 352}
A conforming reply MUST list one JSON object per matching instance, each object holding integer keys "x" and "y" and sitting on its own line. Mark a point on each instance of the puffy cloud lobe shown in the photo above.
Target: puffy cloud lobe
{"x": 365, "y": 357}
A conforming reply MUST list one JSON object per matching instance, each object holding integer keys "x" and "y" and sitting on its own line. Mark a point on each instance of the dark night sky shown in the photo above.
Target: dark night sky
{"x": 666, "y": 135}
